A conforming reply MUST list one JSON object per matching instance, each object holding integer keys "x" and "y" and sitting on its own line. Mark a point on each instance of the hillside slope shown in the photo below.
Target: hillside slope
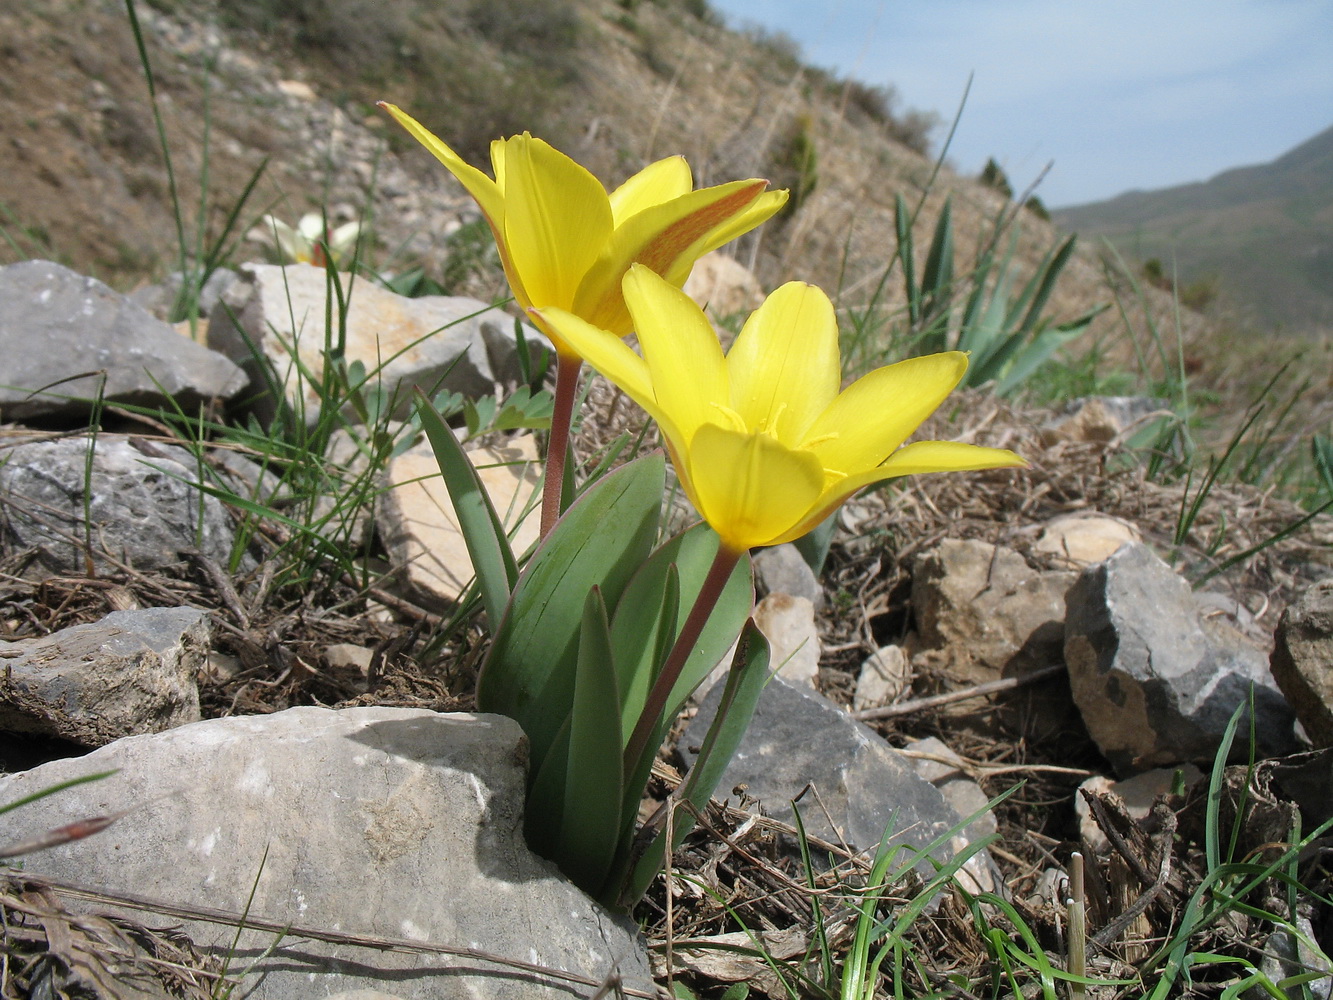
{"x": 1265, "y": 233}
{"x": 614, "y": 84}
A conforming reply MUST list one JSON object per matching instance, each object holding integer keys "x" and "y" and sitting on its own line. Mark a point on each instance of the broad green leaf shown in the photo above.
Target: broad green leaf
{"x": 1038, "y": 351}
{"x": 744, "y": 684}
{"x": 544, "y": 809}
{"x": 590, "y": 821}
{"x": 600, "y": 541}
{"x": 635, "y": 627}
{"x": 1049, "y": 272}
{"x": 483, "y": 532}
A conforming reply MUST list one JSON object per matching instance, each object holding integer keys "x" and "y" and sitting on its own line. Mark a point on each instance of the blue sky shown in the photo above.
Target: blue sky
{"x": 1121, "y": 94}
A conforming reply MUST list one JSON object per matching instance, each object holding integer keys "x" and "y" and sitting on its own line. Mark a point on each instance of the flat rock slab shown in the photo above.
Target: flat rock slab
{"x": 55, "y": 323}
{"x": 1155, "y": 680}
{"x": 434, "y": 342}
{"x": 396, "y": 823}
{"x": 420, "y": 527}
{"x": 142, "y": 507}
{"x": 797, "y": 739}
{"x": 132, "y": 672}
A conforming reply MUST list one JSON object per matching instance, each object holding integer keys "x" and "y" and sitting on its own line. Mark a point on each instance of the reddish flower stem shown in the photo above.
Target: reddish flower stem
{"x": 566, "y": 385}
{"x": 718, "y": 575}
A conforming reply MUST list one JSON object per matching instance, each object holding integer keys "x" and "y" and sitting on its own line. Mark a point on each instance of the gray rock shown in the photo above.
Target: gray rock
{"x": 132, "y": 672}
{"x": 798, "y": 739}
{"x": 396, "y": 823}
{"x": 1155, "y": 680}
{"x": 434, "y": 342}
{"x": 142, "y": 504}
{"x": 55, "y": 323}
{"x": 782, "y": 570}
{"x": 1286, "y": 957}
{"x": 934, "y": 760}
{"x": 1302, "y": 660}
{"x": 158, "y": 299}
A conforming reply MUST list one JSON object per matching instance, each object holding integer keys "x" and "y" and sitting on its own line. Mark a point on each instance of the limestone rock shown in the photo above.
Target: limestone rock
{"x": 1077, "y": 540}
{"x": 1103, "y": 418}
{"x": 935, "y": 761}
{"x": 999, "y": 615}
{"x": 788, "y": 623}
{"x": 782, "y": 570}
{"x": 132, "y": 672}
{"x": 1157, "y": 682}
{"x": 982, "y": 614}
{"x": 433, "y": 342}
{"x": 417, "y": 519}
{"x": 885, "y": 675}
{"x": 798, "y": 738}
{"x": 723, "y": 285}
{"x": 1302, "y": 660}
{"x": 55, "y": 323}
{"x": 396, "y": 823}
{"x": 158, "y": 299}
{"x": 142, "y": 505}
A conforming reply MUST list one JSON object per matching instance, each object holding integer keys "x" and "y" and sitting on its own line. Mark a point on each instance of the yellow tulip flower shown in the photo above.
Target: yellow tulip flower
{"x": 764, "y": 443}
{"x": 566, "y": 243}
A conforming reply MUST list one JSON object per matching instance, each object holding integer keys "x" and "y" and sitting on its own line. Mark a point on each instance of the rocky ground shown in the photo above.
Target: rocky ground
{"x": 1026, "y": 632}
{"x": 257, "y": 630}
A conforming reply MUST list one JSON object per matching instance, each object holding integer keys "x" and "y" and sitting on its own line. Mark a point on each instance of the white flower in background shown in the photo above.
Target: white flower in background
{"x": 305, "y": 244}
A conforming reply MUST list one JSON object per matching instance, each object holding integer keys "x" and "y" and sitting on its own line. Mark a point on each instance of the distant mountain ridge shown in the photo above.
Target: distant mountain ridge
{"x": 1264, "y": 233}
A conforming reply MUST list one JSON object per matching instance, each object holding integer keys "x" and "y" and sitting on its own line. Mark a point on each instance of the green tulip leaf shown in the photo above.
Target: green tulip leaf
{"x": 590, "y": 821}
{"x": 745, "y": 683}
{"x": 636, "y": 628}
{"x": 543, "y": 811}
{"x": 483, "y": 531}
{"x": 606, "y": 535}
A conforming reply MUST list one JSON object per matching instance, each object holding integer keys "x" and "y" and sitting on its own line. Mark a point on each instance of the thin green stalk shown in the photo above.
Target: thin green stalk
{"x": 718, "y": 575}
{"x": 181, "y": 243}
{"x": 567, "y": 368}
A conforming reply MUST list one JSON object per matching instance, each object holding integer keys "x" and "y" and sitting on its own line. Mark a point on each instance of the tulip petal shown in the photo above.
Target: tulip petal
{"x": 653, "y": 185}
{"x": 666, "y": 238}
{"x": 948, "y": 456}
{"x": 481, "y": 187}
{"x": 784, "y": 366}
{"x": 877, "y": 412}
{"x": 922, "y": 456}
{"x": 749, "y": 487}
{"x": 760, "y": 210}
{"x": 557, "y": 219}
{"x": 606, "y": 352}
{"x": 685, "y": 360}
